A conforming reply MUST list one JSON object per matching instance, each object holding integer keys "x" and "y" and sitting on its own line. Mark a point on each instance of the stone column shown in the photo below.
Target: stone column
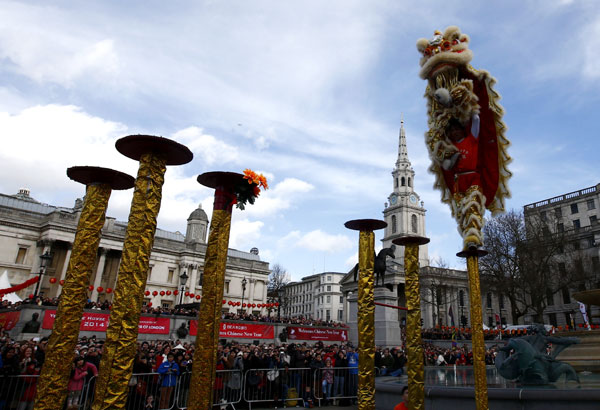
{"x": 193, "y": 273}
{"x": 66, "y": 264}
{"x": 99, "y": 272}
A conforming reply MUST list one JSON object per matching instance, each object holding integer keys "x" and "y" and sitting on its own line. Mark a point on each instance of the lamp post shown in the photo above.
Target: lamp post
{"x": 182, "y": 279}
{"x": 45, "y": 260}
{"x": 244, "y": 282}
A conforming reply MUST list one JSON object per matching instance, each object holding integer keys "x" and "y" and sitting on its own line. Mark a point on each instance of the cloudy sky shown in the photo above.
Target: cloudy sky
{"x": 308, "y": 92}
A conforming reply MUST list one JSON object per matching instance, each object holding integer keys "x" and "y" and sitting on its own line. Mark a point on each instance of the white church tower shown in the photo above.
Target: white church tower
{"x": 404, "y": 212}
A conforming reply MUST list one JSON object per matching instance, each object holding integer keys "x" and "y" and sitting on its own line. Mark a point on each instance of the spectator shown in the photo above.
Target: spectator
{"x": 404, "y": 404}
{"x": 352, "y": 357}
{"x": 327, "y": 373}
{"x": 76, "y": 381}
{"x": 341, "y": 364}
{"x": 168, "y": 370}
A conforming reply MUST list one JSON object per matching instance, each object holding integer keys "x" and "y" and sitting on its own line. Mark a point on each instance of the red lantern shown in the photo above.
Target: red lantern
{"x": 168, "y": 293}
{"x": 154, "y": 293}
{"x": 108, "y": 290}
{"x": 162, "y": 293}
{"x": 239, "y": 304}
{"x": 187, "y": 294}
{"x": 176, "y": 292}
{"x": 243, "y": 305}
{"x": 147, "y": 293}
{"x": 277, "y": 304}
{"x": 198, "y": 297}
{"x": 91, "y": 288}
{"x": 254, "y": 305}
{"x": 31, "y": 296}
{"x": 224, "y": 301}
{"x": 99, "y": 289}
{"x": 52, "y": 280}
{"x": 61, "y": 282}
{"x": 149, "y": 304}
{"x": 230, "y": 303}
{"x": 191, "y": 295}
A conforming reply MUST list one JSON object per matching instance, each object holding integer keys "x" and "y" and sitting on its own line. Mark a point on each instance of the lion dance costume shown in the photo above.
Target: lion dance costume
{"x": 465, "y": 140}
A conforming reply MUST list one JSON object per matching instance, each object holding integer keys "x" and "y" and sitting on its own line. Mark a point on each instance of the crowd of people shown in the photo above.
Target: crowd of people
{"x": 187, "y": 310}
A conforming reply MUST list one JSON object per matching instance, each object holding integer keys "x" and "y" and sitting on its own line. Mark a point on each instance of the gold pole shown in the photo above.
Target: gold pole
{"x": 366, "y": 309}
{"x": 209, "y": 317}
{"x": 481, "y": 399}
{"x": 154, "y": 153}
{"x": 52, "y": 386}
{"x": 414, "y": 345}
{"x": 366, "y": 321}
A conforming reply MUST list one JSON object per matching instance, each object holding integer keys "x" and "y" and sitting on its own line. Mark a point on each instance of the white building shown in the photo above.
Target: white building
{"x": 28, "y": 229}
{"x": 317, "y": 296}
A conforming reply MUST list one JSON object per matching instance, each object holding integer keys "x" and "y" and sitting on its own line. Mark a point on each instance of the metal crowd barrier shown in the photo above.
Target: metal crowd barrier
{"x": 336, "y": 383}
{"x": 226, "y": 391}
{"x": 277, "y": 385}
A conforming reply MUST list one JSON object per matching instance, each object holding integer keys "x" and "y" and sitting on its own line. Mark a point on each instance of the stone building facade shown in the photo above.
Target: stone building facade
{"x": 29, "y": 228}
{"x": 576, "y": 215}
{"x": 317, "y": 296}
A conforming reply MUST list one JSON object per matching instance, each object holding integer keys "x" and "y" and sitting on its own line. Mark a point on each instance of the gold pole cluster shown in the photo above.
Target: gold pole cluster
{"x": 52, "y": 386}
{"x": 366, "y": 321}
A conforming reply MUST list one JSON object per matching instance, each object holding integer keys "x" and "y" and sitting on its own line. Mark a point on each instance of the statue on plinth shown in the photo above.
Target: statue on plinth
{"x": 33, "y": 325}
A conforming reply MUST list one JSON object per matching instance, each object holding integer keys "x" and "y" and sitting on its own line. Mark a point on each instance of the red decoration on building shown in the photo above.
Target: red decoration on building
{"x": 187, "y": 294}
{"x": 198, "y": 297}
{"x": 31, "y": 296}
{"x": 168, "y": 293}
{"x": 61, "y": 282}
{"x": 99, "y": 289}
{"x": 53, "y": 280}
{"x": 176, "y": 292}
{"x": 108, "y": 290}
{"x": 162, "y": 293}
{"x": 147, "y": 293}
{"x": 154, "y": 293}
{"x": 91, "y": 288}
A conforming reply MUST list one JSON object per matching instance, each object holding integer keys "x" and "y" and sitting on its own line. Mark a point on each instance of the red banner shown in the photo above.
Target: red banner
{"x": 315, "y": 333}
{"x": 98, "y": 322}
{"x": 8, "y": 320}
{"x": 239, "y": 330}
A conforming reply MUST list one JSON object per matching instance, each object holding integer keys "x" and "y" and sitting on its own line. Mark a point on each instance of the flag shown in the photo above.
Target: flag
{"x": 585, "y": 316}
{"x": 498, "y": 323}
{"x": 451, "y": 316}
{"x": 453, "y": 337}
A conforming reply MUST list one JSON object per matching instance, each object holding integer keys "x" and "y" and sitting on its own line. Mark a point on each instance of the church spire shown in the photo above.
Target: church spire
{"x": 402, "y": 151}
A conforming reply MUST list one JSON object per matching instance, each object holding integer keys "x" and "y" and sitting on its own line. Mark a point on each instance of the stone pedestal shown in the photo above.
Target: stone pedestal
{"x": 387, "y": 323}
{"x": 387, "y": 320}
{"x": 584, "y": 356}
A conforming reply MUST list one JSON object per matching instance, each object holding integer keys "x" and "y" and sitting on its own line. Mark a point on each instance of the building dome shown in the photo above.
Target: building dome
{"x": 198, "y": 215}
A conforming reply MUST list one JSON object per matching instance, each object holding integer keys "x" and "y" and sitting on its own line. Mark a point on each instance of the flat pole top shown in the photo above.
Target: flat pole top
{"x": 97, "y": 175}
{"x": 365, "y": 225}
{"x": 134, "y": 146}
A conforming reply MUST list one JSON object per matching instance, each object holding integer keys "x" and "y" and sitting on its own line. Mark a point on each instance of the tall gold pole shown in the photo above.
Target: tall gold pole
{"x": 52, "y": 386}
{"x": 472, "y": 255}
{"x": 209, "y": 317}
{"x": 366, "y": 310}
{"x": 414, "y": 345}
{"x": 154, "y": 153}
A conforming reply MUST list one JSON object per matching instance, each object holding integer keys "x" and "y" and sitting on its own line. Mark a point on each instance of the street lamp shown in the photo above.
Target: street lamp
{"x": 244, "y": 282}
{"x": 45, "y": 261}
{"x": 182, "y": 279}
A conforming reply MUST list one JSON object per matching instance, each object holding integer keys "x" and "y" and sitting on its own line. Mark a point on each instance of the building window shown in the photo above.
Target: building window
{"x": 593, "y": 219}
{"x": 328, "y": 278}
{"x": 409, "y": 183}
{"x": 393, "y": 223}
{"x": 543, "y": 215}
{"x": 560, "y": 227}
{"x": 489, "y": 300}
{"x": 21, "y": 256}
{"x": 328, "y": 288}
{"x": 576, "y": 224}
{"x": 395, "y": 182}
{"x": 341, "y": 299}
{"x": 402, "y": 181}
{"x": 170, "y": 276}
{"x": 150, "y": 272}
{"x": 565, "y": 295}
{"x": 461, "y": 298}
{"x": 549, "y": 297}
{"x": 501, "y": 301}
{"x": 328, "y": 314}
{"x": 413, "y": 223}
{"x": 574, "y": 209}
{"x": 558, "y": 213}
{"x": 165, "y": 304}
{"x": 340, "y": 315}
{"x": 552, "y": 317}
{"x": 328, "y": 299}
{"x": 590, "y": 204}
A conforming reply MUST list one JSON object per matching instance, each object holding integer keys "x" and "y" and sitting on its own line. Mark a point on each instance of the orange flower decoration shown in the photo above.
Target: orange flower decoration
{"x": 254, "y": 178}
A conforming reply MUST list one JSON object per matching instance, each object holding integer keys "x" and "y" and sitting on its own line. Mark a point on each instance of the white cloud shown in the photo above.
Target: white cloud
{"x": 279, "y": 197}
{"x": 244, "y": 234}
{"x": 318, "y": 240}
{"x": 206, "y": 148}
